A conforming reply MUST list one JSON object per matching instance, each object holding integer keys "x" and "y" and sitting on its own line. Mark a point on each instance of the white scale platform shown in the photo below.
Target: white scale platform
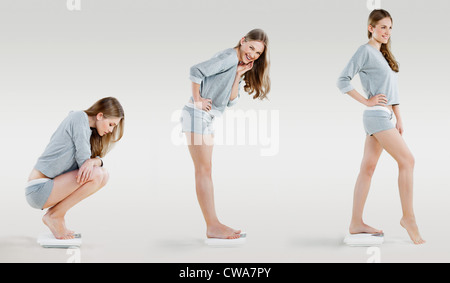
{"x": 47, "y": 240}
{"x": 364, "y": 240}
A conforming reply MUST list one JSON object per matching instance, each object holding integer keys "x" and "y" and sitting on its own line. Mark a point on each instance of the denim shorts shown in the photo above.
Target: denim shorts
{"x": 38, "y": 191}
{"x": 377, "y": 119}
{"x": 194, "y": 120}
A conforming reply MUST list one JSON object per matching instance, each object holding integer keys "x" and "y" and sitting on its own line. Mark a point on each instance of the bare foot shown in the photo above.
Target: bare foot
{"x": 57, "y": 226}
{"x": 363, "y": 228}
{"x": 221, "y": 231}
{"x": 413, "y": 231}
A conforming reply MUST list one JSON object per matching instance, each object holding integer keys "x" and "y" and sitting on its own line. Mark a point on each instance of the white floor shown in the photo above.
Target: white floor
{"x": 157, "y": 230}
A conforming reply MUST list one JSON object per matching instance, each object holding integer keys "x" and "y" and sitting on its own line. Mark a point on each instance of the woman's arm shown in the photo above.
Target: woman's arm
{"x": 215, "y": 65}
{"x": 241, "y": 70}
{"x": 379, "y": 99}
{"x": 200, "y": 102}
{"x": 80, "y": 134}
{"x": 198, "y": 72}
{"x": 399, "y": 125}
{"x": 235, "y": 88}
{"x": 86, "y": 170}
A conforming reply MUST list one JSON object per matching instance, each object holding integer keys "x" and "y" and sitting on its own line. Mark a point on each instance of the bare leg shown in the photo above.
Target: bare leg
{"x": 65, "y": 194}
{"x": 372, "y": 152}
{"x": 393, "y": 143}
{"x": 201, "y": 153}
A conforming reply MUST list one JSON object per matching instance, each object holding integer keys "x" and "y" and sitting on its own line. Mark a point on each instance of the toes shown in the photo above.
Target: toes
{"x": 65, "y": 237}
{"x": 419, "y": 241}
{"x": 233, "y": 237}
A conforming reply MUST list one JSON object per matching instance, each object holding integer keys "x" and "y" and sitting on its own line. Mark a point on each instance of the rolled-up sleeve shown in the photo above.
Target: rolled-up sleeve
{"x": 211, "y": 67}
{"x": 353, "y": 67}
{"x": 235, "y": 100}
{"x": 81, "y": 137}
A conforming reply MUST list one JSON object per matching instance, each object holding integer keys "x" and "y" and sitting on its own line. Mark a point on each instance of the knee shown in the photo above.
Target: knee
{"x": 203, "y": 170}
{"x": 368, "y": 169}
{"x": 105, "y": 177}
{"x": 407, "y": 162}
{"x": 100, "y": 176}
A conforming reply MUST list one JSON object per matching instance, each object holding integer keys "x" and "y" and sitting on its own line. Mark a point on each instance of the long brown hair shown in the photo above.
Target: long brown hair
{"x": 374, "y": 17}
{"x": 257, "y": 80}
{"x": 111, "y": 108}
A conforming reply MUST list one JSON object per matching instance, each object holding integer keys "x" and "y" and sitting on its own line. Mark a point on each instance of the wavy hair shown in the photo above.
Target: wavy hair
{"x": 374, "y": 17}
{"x": 257, "y": 80}
{"x": 111, "y": 108}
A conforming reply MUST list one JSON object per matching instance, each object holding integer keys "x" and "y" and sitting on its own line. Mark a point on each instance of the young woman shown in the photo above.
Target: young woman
{"x": 215, "y": 85}
{"x": 70, "y": 169}
{"x": 377, "y": 69}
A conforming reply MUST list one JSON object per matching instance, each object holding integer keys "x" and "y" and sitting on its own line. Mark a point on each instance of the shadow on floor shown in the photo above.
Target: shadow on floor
{"x": 22, "y": 249}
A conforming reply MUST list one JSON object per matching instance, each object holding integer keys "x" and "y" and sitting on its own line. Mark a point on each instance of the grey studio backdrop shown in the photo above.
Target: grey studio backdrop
{"x": 295, "y": 204}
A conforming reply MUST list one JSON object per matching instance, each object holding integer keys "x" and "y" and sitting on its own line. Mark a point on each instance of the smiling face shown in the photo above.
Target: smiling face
{"x": 381, "y": 32}
{"x": 105, "y": 125}
{"x": 250, "y": 51}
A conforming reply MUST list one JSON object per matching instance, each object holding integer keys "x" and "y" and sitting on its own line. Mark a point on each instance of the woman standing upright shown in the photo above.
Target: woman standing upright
{"x": 215, "y": 85}
{"x": 377, "y": 69}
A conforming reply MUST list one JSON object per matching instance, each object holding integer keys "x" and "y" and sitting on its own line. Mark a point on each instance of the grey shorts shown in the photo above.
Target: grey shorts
{"x": 377, "y": 119}
{"x": 38, "y": 191}
{"x": 197, "y": 121}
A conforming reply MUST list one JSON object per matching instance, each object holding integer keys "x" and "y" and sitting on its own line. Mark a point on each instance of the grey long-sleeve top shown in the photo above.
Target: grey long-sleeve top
{"x": 375, "y": 73}
{"x": 216, "y": 77}
{"x": 69, "y": 146}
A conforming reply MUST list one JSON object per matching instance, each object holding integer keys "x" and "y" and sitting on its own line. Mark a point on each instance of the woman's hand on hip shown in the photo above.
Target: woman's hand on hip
{"x": 203, "y": 103}
{"x": 379, "y": 99}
